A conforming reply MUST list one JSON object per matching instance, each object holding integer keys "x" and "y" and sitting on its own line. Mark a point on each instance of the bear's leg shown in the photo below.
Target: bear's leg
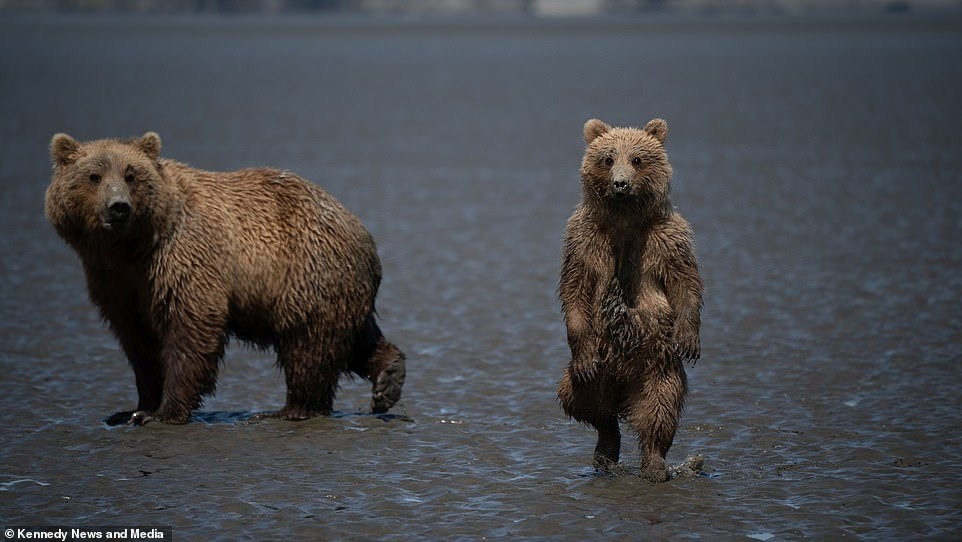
{"x": 191, "y": 352}
{"x": 311, "y": 370}
{"x": 380, "y": 362}
{"x": 594, "y": 402}
{"x": 150, "y": 385}
{"x": 188, "y": 377}
{"x": 608, "y": 449}
{"x": 142, "y": 348}
{"x": 387, "y": 385}
{"x": 655, "y": 410}
{"x": 150, "y": 389}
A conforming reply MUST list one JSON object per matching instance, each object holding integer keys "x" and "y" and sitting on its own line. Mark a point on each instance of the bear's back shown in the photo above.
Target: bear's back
{"x": 287, "y": 247}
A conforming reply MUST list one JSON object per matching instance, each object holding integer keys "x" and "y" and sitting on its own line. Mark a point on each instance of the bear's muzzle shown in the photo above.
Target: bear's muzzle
{"x": 118, "y": 210}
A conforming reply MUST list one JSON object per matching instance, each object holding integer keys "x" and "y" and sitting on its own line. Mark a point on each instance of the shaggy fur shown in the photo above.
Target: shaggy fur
{"x": 177, "y": 259}
{"x": 631, "y": 296}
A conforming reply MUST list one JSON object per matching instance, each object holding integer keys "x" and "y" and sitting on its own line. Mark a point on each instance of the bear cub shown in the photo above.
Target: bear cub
{"x": 178, "y": 259}
{"x": 631, "y": 296}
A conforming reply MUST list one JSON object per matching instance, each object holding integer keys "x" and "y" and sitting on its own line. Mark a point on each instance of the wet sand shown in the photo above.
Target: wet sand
{"x": 818, "y": 161}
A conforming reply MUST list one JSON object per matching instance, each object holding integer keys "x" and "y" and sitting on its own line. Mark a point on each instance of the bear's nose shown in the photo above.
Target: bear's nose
{"x": 620, "y": 186}
{"x": 118, "y": 211}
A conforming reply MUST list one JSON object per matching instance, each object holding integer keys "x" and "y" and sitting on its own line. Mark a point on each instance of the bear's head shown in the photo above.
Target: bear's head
{"x": 107, "y": 190}
{"x": 626, "y": 168}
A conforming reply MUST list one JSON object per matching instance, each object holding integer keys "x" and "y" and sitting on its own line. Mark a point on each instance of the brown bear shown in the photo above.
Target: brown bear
{"x": 178, "y": 259}
{"x": 631, "y": 296}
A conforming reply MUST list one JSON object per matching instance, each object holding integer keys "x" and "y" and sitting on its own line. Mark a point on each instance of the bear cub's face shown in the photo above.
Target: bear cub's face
{"x": 624, "y": 165}
{"x": 102, "y": 187}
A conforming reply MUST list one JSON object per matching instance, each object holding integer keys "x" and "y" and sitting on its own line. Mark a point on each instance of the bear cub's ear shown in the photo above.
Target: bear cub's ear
{"x": 63, "y": 149}
{"x": 149, "y": 144}
{"x": 658, "y": 129}
{"x": 594, "y": 128}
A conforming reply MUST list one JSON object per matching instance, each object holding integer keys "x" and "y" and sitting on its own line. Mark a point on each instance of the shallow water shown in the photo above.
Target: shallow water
{"x": 818, "y": 161}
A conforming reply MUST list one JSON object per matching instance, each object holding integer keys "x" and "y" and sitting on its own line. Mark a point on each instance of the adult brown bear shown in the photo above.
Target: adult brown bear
{"x": 178, "y": 259}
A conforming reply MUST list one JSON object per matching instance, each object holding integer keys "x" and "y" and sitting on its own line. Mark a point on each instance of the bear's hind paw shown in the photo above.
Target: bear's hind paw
{"x": 654, "y": 470}
{"x": 387, "y": 387}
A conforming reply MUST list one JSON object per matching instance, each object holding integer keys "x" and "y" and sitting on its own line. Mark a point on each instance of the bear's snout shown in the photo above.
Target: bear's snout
{"x": 621, "y": 179}
{"x": 119, "y": 210}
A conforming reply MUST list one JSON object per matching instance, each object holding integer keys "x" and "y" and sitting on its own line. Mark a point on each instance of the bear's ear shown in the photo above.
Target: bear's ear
{"x": 63, "y": 149}
{"x": 658, "y": 129}
{"x": 594, "y": 128}
{"x": 149, "y": 143}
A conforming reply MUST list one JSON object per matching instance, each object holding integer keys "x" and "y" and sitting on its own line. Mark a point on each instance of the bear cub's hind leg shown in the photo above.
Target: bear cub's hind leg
{"x": 608, "y": 449}
{"x": 584, "y": 401}
{"x": 655, "y": 411}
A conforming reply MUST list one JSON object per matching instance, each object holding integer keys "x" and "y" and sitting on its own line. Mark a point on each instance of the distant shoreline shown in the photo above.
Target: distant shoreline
{"x": 534, "y": 8}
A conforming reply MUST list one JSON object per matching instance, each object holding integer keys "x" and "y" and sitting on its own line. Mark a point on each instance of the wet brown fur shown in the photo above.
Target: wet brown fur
{"x": 260, "y": 254}
{"x": 631, "y": 296}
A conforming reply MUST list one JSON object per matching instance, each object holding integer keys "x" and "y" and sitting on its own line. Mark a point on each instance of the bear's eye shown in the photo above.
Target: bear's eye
{"x": 636, "y": 161}
{"x": 129, "y": 177}
{"x": 609, "y": 161}
{"x": 94, "y": 178}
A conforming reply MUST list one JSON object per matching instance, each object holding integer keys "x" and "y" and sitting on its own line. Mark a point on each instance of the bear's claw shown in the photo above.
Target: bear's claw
{"x": 118, "y": 418}
{"x": 139, "y": 417}
{"x": 584, "y": 371}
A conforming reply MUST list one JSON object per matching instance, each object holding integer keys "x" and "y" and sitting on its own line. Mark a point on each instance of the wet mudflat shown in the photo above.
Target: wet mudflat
{"x": 818, "y": 161}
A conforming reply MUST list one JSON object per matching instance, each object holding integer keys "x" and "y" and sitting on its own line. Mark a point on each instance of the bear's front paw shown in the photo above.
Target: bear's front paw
{"x": 585, "y": 369}
{"x": 163, "y": 415}
{"x": 119, "y": 418}
{"x": 140, "y": 418}
{"x": 687, "y": 345}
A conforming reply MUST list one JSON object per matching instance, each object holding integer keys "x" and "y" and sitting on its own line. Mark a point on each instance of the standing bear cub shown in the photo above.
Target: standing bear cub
{"x": 631, "y": 296}
{"x": 178, "y": 259}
